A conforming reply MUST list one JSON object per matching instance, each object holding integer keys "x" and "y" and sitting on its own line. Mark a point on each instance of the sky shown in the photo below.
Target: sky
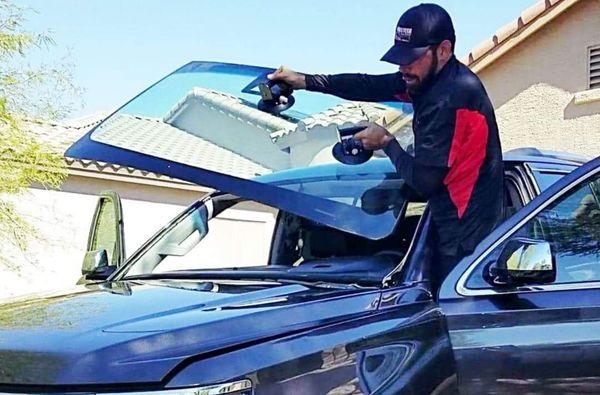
{"x": 120, "y": 47}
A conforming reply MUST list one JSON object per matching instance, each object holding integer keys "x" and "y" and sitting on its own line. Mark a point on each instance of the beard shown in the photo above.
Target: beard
{"x": 418, "y": 87}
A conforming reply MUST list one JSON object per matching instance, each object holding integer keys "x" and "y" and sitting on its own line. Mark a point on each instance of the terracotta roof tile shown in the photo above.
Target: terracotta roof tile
{"x": 527, "y": 17}
{"x": 534, "y": 11}
{"x": 157, "y": 138}
{"x": 482, "y": 48}
{"x": 84, "y": 122}
{"x": 62, "y": 135}
{"x": 505, "y": 31}
{"x": 233, "y": 107}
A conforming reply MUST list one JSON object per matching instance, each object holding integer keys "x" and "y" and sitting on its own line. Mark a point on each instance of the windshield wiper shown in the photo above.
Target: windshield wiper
{"x": 321, "y": 284}
{"x": 263, "y": 276}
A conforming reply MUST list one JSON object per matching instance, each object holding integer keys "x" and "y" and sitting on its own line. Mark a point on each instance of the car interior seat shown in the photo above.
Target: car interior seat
{"x": 322, "y": 242}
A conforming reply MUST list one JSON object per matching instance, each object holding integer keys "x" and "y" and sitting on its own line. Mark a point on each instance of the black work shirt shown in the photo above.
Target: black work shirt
{"x": 457, "y": 163}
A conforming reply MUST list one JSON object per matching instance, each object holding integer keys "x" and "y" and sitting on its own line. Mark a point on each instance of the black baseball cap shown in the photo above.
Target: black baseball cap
{"x": 418, "y": 28}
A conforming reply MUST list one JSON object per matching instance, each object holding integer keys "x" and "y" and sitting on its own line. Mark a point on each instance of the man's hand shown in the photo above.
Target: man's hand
{"x": 292, "y": 78}
{"x": 374, "y": 137}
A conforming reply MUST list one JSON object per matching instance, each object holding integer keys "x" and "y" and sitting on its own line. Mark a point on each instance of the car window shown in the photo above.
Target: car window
{"x": 545, "y": 179}
{"x": 105, "y": 234}
{"x": 240, "y": 236}
{"x": 514, "y": 202}
{"x": 572, "y": 227}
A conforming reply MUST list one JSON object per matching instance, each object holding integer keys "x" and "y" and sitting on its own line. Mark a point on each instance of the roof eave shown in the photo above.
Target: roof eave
{"x": 92, "y": 169}
{"x": 492, "y": 49}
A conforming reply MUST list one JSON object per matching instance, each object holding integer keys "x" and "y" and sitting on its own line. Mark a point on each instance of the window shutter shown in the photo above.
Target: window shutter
{"x": 594, "y": 67}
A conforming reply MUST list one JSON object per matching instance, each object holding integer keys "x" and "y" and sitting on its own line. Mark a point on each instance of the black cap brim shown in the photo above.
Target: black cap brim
{"x": 403, "y": 54}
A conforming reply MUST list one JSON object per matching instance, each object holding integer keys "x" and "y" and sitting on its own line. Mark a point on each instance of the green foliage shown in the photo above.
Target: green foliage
{"x": 28, "y": 94}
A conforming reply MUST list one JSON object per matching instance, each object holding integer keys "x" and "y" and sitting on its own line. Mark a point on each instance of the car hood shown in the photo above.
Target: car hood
{"x": 202, "y": 124}
{"x": 137, "y": 332}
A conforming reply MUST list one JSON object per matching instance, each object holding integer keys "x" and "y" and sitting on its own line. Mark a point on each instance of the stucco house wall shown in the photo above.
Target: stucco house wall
{"x": 535, "y": 87}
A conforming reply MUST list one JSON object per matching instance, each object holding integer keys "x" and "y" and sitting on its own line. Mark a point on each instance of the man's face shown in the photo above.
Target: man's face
{"x": 420, "y": 71}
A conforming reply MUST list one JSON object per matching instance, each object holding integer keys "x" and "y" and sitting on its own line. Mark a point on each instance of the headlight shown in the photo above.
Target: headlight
{"x": 242, "y": 387}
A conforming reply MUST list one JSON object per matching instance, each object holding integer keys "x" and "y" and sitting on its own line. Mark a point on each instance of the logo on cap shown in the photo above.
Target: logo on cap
{"x": 403, "y": 34}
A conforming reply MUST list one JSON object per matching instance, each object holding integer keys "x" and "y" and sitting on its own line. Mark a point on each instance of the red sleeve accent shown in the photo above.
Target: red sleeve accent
{"x": 466, "y": 157}
{"x": 403, "y": 97}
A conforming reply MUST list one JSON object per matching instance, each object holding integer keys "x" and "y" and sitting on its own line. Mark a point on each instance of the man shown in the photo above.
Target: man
{"x": 457, "y": 164}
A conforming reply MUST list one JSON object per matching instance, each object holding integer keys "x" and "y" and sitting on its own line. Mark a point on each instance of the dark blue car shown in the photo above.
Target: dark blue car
{"x": 342, "y": 303}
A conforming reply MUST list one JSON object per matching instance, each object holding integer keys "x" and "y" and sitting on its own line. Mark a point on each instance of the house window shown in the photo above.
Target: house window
{"x": 594, "y": 67}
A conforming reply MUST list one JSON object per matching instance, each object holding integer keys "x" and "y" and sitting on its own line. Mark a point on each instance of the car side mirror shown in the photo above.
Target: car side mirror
{"x": 94, "y": 261}
{"x": 95, "y": 266}
{"x": 522, "y": 262}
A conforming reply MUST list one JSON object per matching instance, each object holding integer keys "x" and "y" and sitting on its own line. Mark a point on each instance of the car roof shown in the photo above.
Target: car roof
{"x": 534, "y": 155}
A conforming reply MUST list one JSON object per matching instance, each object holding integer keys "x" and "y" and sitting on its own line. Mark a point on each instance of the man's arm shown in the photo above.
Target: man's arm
{"x": 426, "y": 172}
{"x": 425, "y": 180}
{"x": 361, "y": 87}
{"x": 428, "y": 169}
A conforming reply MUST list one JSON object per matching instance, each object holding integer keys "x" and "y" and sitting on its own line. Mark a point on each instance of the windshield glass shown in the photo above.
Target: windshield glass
{"x": 195, "y": 241}
{"x": 222, "y": 80}
{"x": 268, "y": 244}
{"x": 207, "y": 116}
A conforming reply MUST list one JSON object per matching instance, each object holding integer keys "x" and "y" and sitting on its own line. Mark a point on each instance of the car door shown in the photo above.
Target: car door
{"x": 535, "y": 338}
